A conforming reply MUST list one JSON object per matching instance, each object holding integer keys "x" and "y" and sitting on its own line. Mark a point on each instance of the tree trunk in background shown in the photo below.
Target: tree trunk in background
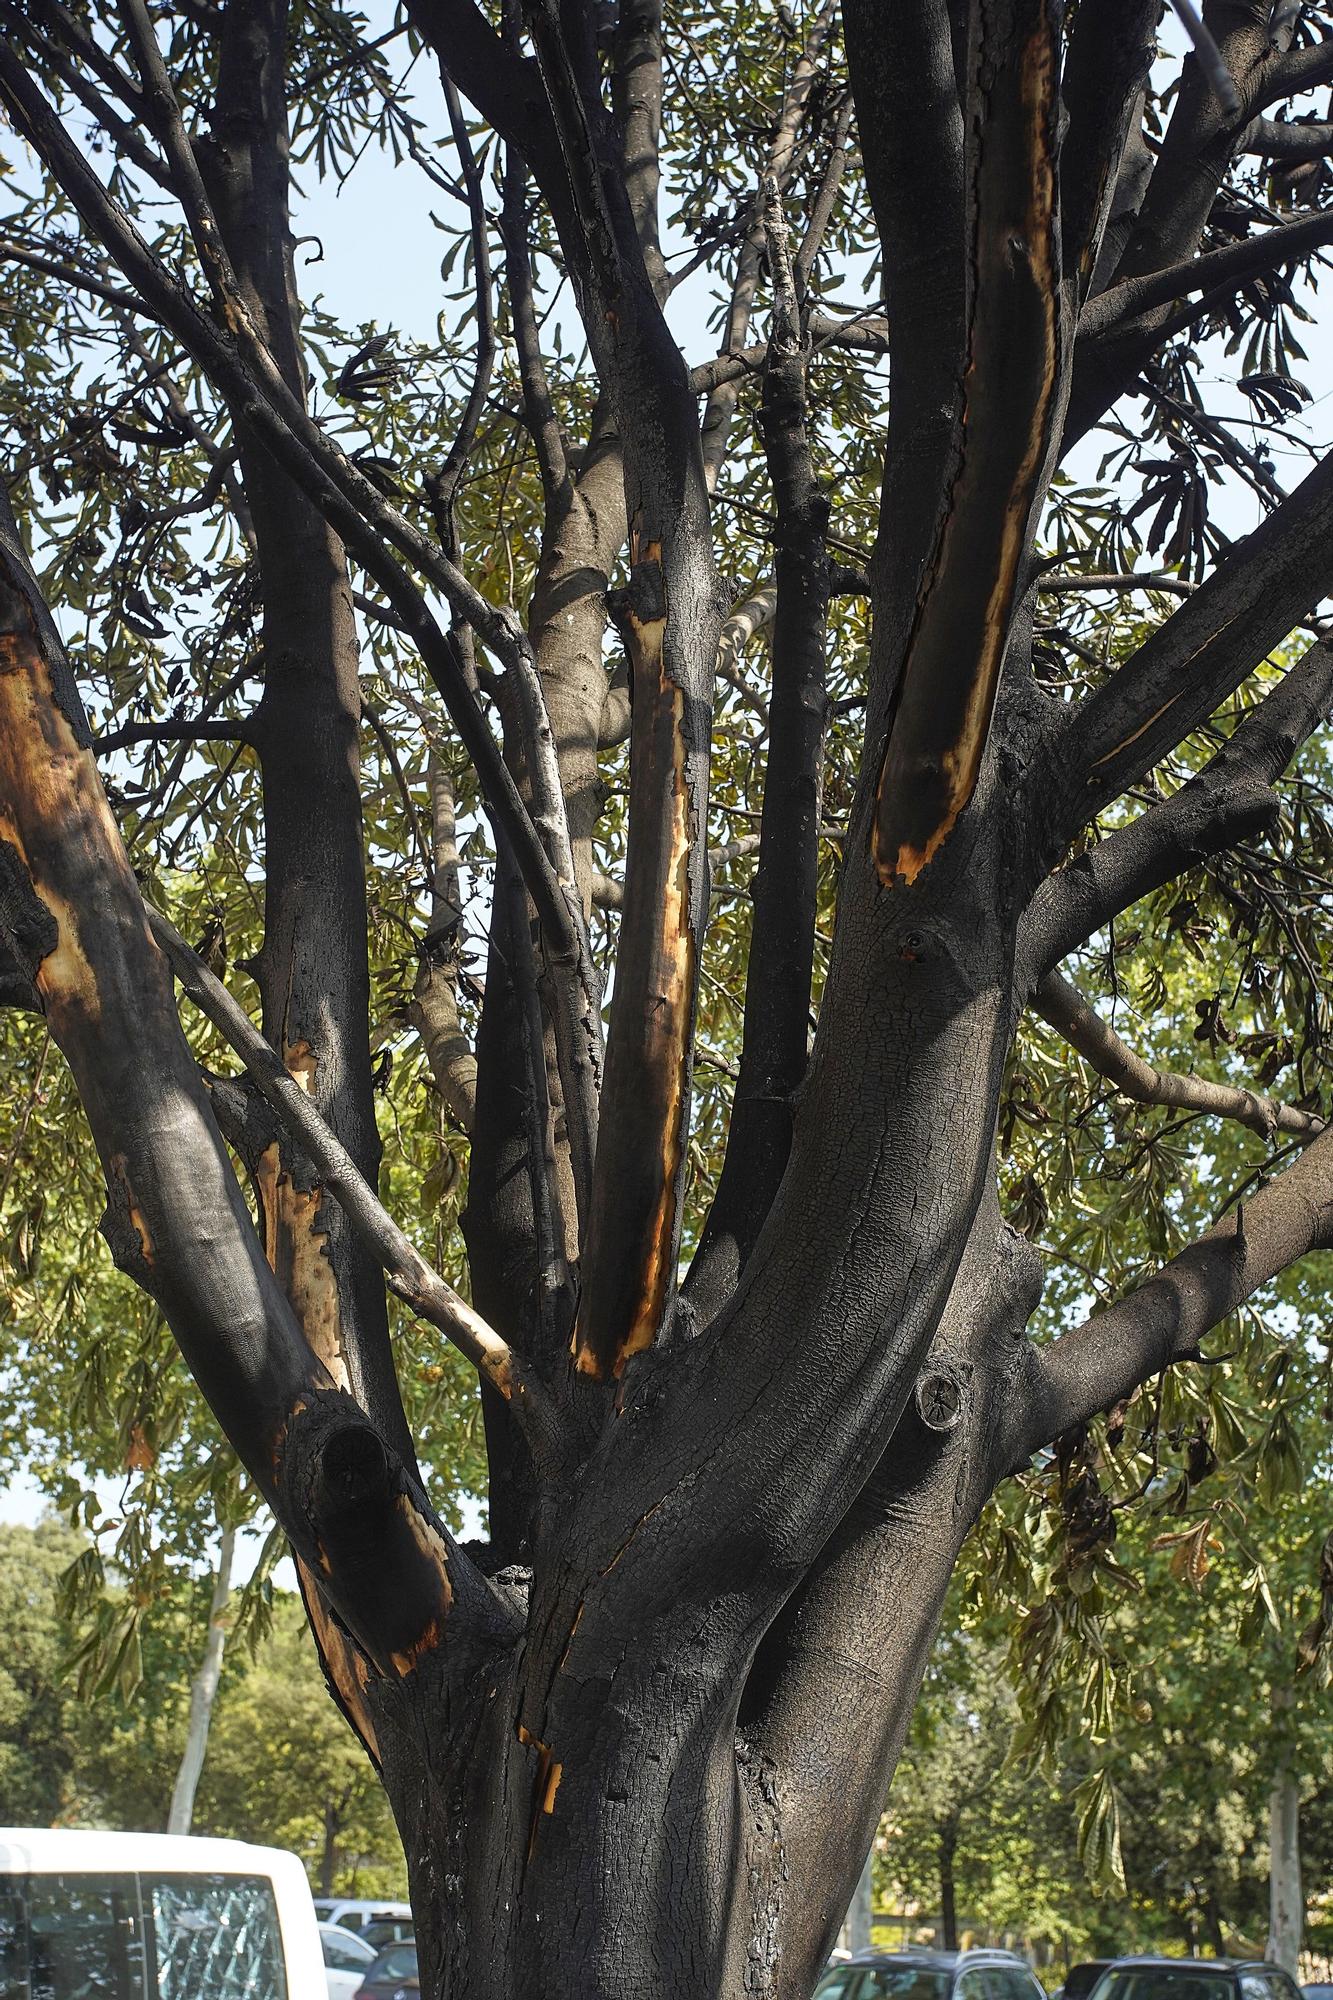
{"x": 203, "y": 1692}
{"x": 948, "y": 1897}
{"x": 328, "y": 1860}
{"x": 856, "y": 1924}
{"x": 1286, "y": 1909}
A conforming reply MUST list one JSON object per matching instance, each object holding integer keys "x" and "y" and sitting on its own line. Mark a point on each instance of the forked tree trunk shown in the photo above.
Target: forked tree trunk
{"x": 639, "y": 1746}
{"x": 203, "y": 1692}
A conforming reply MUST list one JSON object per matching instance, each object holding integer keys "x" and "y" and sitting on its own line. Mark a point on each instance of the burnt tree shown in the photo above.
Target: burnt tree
{"x": 638, "y": 1742}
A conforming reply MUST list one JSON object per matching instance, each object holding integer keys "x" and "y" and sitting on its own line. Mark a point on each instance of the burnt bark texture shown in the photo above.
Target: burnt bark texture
{"x": 638, "y": 1742}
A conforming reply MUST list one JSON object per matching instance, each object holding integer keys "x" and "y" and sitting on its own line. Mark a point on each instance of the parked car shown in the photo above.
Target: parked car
{"x": 377, "y": 1920}
{"x": 121, "y": 1914}
{"x": 393, "y": 1976}
{"x": 1194, "y": 1979}
{"x": 931, "y": 1975}
{"x": 347, "y": 1958}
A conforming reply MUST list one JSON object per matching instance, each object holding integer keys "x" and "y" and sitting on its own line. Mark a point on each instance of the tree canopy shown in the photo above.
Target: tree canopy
{"x": 742, "y": 823}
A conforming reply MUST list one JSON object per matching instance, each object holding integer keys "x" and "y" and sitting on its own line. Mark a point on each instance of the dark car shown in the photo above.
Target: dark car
{"x": 930, "y": 1975}
{"x": 393, "y": 1976}
{"x": 1194, "y": 1979}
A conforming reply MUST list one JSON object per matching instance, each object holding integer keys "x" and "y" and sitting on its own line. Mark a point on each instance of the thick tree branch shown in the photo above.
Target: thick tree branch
{"x": 1203, "y": 652}
{"x": 832, "y": 1689}
{"x": 671, "y": 614}
{"x": 636, "y": 97}
{"x": 1105, "y": 1359}
{"x": 313, "y": 969}
{"x": 910, "y": 122}
{"x": 951, "y": 671}
{"x": 1298, "y": 71}
{"x": 1200, "y": 140}
{"x": 1275, "y": 139}
{"x": 1216, "y": 273}
{"x": 1059, "y": 1002}
{"x": 1111, "y": 49}
{"x": 505, "y": 86}
{"x": 784, "y": 894}
{"x": 176, "y": 1220}
{"x": 1229, "y": 800}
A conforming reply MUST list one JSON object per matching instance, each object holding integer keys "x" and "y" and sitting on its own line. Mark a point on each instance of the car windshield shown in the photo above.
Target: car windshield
{"x": 1163, "y": 1982}
{"x": 905, "y": 1982}
{"x": 398, "y": 1962}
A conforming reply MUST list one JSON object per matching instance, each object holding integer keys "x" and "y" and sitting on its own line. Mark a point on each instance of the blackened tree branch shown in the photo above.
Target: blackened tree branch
{"x": 434, "y": 1008}
{"x": 1097, "y": 1364}
{"x": 1204, "y": 651}
{"x": 1297, "y": 71}
{"x": 543, "y": 424}
{"x": 636, "y": 97}
{"x": 176, "y": 1220}
{"x": 942, "y": 708}
{"x": 776, "y": 1029}
{"x": 1111, "y": 49}
{"x": 188, "y": 729}
{"x": 1215, "y": 273}
{"x": 1229, "y": 800}
{"x": 1275, "y": 139}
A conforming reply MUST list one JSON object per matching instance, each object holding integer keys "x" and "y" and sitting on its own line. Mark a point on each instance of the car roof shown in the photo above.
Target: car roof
{"x": 379, "y": 1906}
{"x": 941, "y": 1961}
{"x": 43, "y": 1850}
{"x": 1192, "y": 1966}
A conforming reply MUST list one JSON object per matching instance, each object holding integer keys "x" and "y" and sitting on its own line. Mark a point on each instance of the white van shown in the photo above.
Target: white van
{"x": 153, "y": 1916}
{"x": 380, "y": 1922}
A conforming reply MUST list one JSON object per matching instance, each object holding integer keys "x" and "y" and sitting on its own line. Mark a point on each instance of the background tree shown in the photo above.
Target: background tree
{"x": 639, "y": 1739}
{"x": 37, "y": 1731}
{"x": 281, "y": 1765}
